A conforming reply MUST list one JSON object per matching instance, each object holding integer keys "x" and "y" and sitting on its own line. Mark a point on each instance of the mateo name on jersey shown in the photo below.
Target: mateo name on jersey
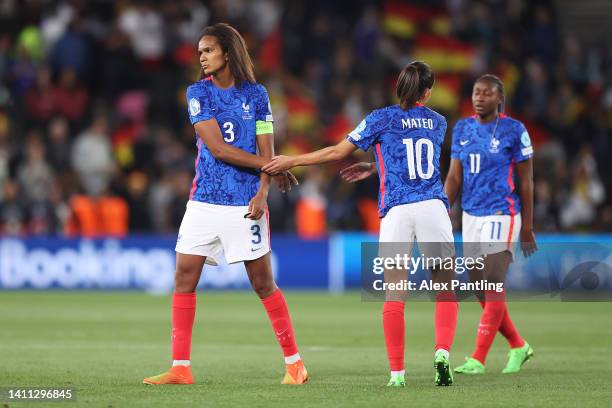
{"x": 411, "y": 123}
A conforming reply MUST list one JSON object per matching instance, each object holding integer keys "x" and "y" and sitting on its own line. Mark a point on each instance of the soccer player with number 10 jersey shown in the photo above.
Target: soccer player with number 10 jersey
{"x": 407, "y": 140}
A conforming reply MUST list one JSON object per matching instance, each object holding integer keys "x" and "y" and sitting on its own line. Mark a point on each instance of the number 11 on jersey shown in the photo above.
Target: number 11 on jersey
{"x": 474, "y": 162}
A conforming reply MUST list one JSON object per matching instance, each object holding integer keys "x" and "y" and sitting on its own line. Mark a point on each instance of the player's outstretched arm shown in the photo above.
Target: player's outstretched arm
{"x": 525, "y": 174}
{"x": 284, "y": 180}
{"x": 210, "y": 133}
{"x": 454, "y": 181}
{"x": 358, "y": 171}
{"x": 322, "y": 156}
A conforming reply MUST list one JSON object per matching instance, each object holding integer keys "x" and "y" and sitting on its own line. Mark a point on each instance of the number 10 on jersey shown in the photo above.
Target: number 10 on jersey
{"x": 414, "y": 152}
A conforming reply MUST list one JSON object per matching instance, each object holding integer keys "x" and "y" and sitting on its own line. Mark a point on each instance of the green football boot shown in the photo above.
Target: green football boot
{"x": 444, "y": 374}
{"x": 517, "y": 357}
{"x": 396, "y": 381}
{"x": 471, "y": 366}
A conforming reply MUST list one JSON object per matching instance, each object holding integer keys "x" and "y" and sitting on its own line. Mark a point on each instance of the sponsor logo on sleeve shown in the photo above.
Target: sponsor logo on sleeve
{"x": 356, "y": 134}
{"x": 526, "y": 151}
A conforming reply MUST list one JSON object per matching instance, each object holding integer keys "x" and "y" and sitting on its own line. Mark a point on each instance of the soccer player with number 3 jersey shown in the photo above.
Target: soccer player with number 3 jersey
{"x": 227, "y": 213}
{"x": 407, "y": 140}
{"x": 488, "y": 150}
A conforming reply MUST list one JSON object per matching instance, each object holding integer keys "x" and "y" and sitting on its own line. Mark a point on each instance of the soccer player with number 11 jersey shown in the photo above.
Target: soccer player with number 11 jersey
{"x": 487, "y": 150}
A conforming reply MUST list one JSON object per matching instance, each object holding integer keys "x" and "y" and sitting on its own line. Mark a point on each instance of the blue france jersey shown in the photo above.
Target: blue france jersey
{"x": 488, "y": 163}
{"x": 407, "y": 149}
{"x": 236, "y": 111}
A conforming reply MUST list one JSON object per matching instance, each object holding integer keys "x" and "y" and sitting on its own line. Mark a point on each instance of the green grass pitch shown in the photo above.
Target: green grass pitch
{"x": 104, "y": 344}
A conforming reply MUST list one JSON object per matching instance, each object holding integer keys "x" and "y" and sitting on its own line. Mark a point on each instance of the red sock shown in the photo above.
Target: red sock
{"x": 393, "y": 325}
{"x": 281, "y": 322}
{"x": 507, "y": 329}
{"x": 183, "y": 312}
{"x": 490, "y": 321}
{"x": 445, "y": 319}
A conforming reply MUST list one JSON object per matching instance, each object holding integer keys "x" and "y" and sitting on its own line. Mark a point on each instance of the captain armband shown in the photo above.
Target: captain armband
{"x": 262, "y": 128}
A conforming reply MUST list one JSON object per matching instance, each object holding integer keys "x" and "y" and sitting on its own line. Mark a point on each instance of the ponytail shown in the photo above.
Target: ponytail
{"x": 413, "y": 82}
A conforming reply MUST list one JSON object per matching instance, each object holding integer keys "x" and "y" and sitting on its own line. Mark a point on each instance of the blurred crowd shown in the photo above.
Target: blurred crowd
{"x": 95, "y": 138}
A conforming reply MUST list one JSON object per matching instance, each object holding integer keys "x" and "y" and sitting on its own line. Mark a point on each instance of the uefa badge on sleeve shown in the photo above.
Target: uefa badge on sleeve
{"x": 194, "y": 106}
{"x": 526, "y": 149}
{"x": 525, "y": 140}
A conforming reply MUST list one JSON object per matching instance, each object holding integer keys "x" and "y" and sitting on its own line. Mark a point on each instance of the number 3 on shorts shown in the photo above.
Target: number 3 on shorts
{"x": 256, "y": 232}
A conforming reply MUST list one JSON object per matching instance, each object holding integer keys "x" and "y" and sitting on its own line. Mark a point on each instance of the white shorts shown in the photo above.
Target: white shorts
{"x": 426, "y": 221}
{"x": 214, "y": 230}
{"x": 490, "y": 234}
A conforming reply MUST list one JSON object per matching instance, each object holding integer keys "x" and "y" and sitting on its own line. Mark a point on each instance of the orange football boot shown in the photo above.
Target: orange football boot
{"x": 296, "y": 374}
{"x": 175, "y": 375}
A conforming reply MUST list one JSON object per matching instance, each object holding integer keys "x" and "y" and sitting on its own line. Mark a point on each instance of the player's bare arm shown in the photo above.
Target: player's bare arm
{"x": 284, "y": 181}
{"x": 525, "y": 175}
{"x": 327, "y": 155}
{"x": 454, "y": 181}
{"x": 210, "y": 133}
{"x": 258, "y": 204}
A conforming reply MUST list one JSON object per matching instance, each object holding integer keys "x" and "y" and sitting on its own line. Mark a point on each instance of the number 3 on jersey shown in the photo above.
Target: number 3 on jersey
{"x": 414, "y": 152}
{"x": 228, "y": 128}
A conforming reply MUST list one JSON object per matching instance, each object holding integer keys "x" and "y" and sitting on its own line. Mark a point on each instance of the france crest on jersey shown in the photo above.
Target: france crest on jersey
{"x": 407, "y": 149}
{"x": 488, "y": 162}
{"x": 236, "y": 110}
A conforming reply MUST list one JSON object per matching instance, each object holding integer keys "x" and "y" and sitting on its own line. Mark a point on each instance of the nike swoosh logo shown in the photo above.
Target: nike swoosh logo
{"x": 255, "y": 249}
{"x": 464, "y": 142}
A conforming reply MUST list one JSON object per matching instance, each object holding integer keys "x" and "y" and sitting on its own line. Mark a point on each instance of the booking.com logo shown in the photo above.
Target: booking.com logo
{"x": 106, "y": 265}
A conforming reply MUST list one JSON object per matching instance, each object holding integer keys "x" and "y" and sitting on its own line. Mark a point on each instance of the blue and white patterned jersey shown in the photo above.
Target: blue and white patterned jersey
{"x": 488, "y": 163}
{"x": 407, "y": 149}
{"x": 236, "y": 111}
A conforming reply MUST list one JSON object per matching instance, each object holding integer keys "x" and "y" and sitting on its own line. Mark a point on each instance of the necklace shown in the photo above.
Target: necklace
{"x": 494, "y": 145}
